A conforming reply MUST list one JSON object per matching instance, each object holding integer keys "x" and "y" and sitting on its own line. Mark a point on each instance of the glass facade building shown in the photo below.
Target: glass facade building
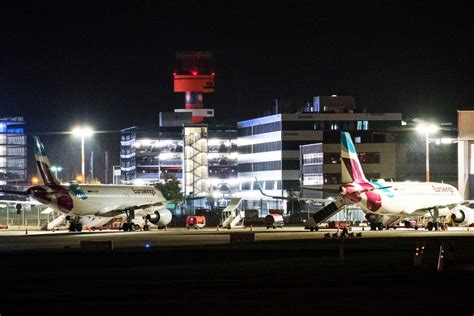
{"x": 202, "y": 157}
{"x": 13, "y": 165}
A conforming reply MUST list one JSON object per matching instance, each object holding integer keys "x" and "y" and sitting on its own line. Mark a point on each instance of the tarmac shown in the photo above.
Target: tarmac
{"x": 279, "y": 272}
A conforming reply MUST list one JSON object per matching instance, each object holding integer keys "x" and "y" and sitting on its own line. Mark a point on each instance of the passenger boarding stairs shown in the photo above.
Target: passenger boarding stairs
{"x": 56, "y": 222}
{"x": 233, "y": 216}
{"x": 328, "y": 211}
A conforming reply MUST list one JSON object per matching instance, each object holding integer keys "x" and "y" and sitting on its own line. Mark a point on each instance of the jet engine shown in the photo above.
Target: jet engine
{"x": 373, "y": 218}
{"x": 160, "y": 217}
{"x": 462, "y": 215}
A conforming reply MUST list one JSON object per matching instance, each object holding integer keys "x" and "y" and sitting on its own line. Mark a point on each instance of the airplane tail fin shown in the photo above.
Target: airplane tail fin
{"x": 350, "y": 165}
{"x": 42, "y": 163}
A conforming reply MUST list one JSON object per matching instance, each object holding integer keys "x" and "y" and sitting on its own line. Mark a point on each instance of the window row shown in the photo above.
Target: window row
{"x": 270, "y": 165}
{"x": 260, "y": 148}
{"x": 313, "y": 179}
{"x": 364, "y": 157}
{"x": 260, "y": 129}
{"x": 313, "y": 159}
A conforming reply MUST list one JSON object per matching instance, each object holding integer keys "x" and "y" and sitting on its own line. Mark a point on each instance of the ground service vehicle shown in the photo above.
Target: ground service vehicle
{"x": 274, "y": 220}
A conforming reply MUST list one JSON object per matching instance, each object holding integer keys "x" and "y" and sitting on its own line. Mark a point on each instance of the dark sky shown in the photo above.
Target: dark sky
{"x": 110, "y": 64}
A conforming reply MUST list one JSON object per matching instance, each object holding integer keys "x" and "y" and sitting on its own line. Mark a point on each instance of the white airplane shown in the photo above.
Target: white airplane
{"x": 393, "y": 201}
{"x": 76, "y": 200}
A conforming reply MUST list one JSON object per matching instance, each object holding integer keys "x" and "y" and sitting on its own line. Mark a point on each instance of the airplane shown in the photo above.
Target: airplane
{"x": 76, "y": 200}
{"x": 393, "y": 201}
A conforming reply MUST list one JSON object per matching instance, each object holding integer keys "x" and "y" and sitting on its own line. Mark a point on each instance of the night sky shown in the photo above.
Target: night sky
{"x": 111, "y": 64}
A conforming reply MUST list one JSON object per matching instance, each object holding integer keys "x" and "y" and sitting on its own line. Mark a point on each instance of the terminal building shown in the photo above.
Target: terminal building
{"x": 269, "y": 147}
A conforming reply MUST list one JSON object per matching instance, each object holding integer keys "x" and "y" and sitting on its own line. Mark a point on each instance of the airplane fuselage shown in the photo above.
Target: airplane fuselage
{"x": 409, "y": 198}
{"x": 100, "y": 200}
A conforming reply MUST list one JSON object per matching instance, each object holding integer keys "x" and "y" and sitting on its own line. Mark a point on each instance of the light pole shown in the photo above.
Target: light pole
{"x": 82, "y": 132}
{"x": 426, "y": 129}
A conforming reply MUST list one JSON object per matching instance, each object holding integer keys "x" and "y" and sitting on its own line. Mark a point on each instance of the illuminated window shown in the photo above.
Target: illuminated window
{"x": 313, "y": 159}
{"x": 362, "y": 125}
{"x": 313, "y": 179}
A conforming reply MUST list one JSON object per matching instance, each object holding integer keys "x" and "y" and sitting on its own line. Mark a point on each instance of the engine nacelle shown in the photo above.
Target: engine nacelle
{"x": 373, "y": 218}
{"x": 159, "y": 217}
{"x": 462, "y": 215}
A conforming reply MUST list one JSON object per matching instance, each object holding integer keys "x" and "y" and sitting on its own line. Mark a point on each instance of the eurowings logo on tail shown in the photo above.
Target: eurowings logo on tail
{"x": 353, "y": 176}
{"x": 52, "y": 192}
{"x": 42, "y": 163}
{"x": 351, "y": 169}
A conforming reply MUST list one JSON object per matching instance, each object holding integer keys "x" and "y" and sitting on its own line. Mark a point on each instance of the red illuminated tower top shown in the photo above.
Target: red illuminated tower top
{"x": 194, "y": 75}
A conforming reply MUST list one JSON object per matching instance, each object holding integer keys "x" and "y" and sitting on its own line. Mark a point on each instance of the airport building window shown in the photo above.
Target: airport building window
{"x": 313, "y": 179}
{"x": 332, "y": 178}
{"x": 362, "y": 125}
{"x": 364, "y": 157}
{"x": 267, "y": 165}
{"x": 265, "y": 147}
{"x": 313, "y": 159}
{"x": 16, "y": 151}
{"x": 245, "y": 131}
{"x": 245, "y": 167}
{"x": 16, "y": 140}
{"x": 247, "y": 149}
{"x": 266, "y": 128}
{"x": 269, "y": 185}
{"x": 16, "y": 163}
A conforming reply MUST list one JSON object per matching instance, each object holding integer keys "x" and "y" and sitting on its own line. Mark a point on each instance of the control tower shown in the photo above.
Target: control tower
{"x": 194, "y": 75}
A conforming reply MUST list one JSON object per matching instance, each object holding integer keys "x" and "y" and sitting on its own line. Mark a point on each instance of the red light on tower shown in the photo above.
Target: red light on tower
{"x": 194, "y": 72}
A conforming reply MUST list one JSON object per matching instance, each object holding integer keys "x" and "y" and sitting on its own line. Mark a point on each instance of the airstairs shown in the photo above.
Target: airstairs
{"x": 328, "y": 211}
{"x": 233, "y": 216}
{"x": 56, "y": 221}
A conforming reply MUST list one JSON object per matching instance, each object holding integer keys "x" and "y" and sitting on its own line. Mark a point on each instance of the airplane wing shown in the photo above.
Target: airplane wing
{"x": 290, "y": 197}
{"x": 125, "y": 208}
{"x": 313, "y": 188}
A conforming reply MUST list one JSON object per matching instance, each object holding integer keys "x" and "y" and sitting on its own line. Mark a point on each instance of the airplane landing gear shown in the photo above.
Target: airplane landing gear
{"x": 74, "y": 224}
{"x": 376, "y": 226}
{"x": 129, "y": 226}
{"x": 435, "y": 224}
